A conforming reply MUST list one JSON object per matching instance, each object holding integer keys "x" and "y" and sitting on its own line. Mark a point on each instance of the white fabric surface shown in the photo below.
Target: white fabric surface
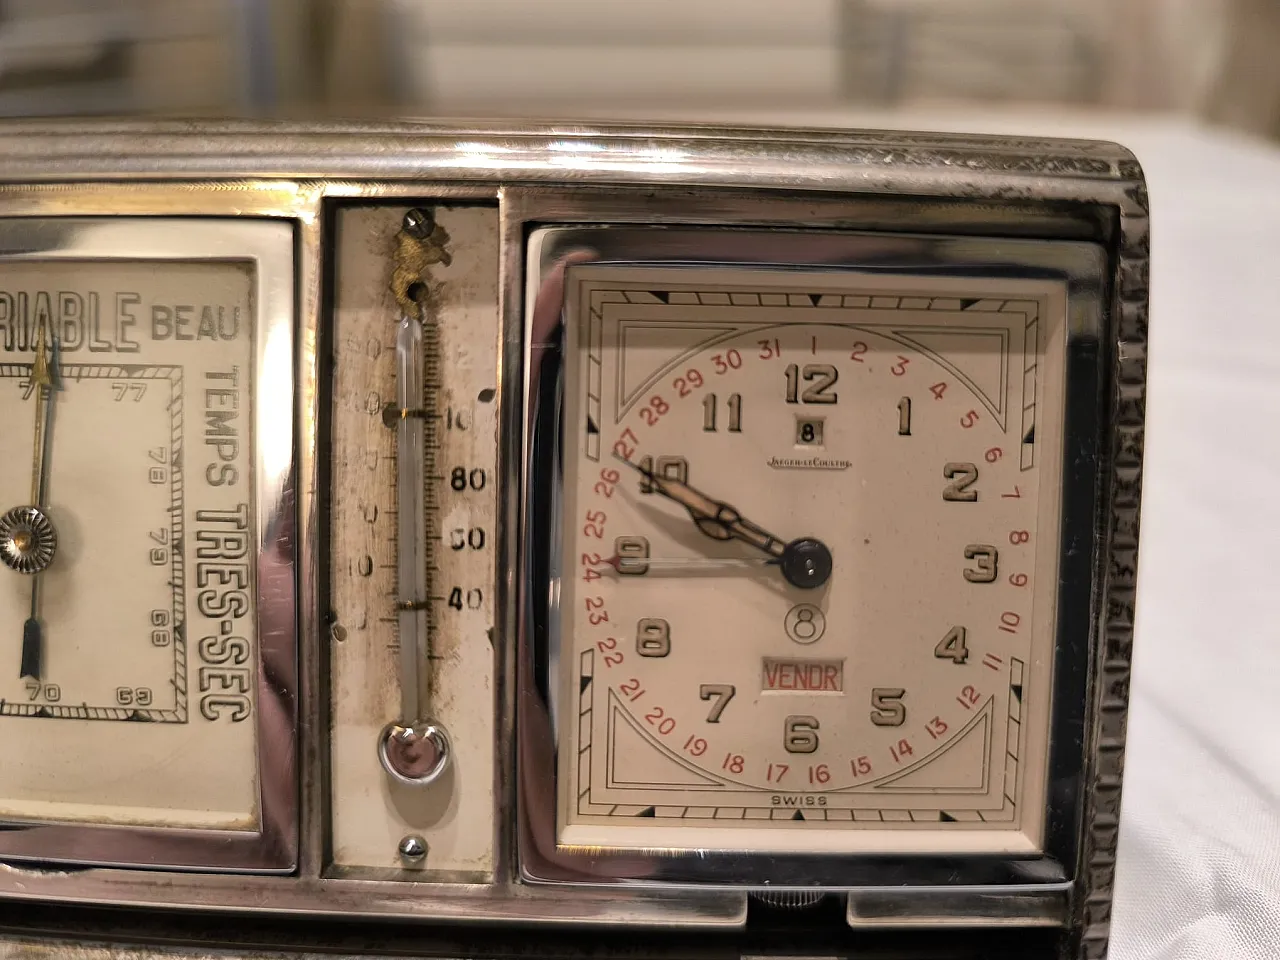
{"x": 1199, "y": 862}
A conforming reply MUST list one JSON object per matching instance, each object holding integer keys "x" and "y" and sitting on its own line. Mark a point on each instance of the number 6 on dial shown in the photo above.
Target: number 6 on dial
{"x": 801, "y": 735}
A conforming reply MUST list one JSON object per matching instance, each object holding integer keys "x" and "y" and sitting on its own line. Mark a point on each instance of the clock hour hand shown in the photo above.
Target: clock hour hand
{"x": 715, "y": 518}
{"x": 805, "y": 563}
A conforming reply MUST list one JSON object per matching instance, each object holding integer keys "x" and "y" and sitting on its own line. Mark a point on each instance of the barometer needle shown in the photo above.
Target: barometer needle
{"x": 42, "y": 380}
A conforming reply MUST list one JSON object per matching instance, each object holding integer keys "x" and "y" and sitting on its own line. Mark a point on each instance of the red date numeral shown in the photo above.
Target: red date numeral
{"x": 625, "y": 447}
{"x": 657, "y": 718}
{"x": 732, "y": 360}
{"x": 655, "y": 410}
{"x": 696, "y": 746}
{"x": 608, "y": 479}
{"x": 590, "y": 560}
{"x": 595, "y": 611}
{"x": 769, "y": 349}
{"x": 594, "y": 527}
{"x": 685, "y": 385}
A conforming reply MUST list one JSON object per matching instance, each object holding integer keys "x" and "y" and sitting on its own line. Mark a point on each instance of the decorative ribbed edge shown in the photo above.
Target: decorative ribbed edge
{"x": 788, "y": 899}
{"x": 1110, "y": 698}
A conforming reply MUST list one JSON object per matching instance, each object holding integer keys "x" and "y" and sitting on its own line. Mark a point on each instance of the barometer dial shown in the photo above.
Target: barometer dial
{"x": 128, "y": 533}
{"x": 810, "y": 550}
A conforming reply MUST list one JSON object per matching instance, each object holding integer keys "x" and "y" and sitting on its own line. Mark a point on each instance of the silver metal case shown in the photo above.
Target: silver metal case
{"x": 1071, "y": 214}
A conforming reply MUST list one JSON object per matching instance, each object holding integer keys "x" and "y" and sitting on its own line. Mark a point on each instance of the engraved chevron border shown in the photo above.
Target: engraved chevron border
{"x": 1109, "y": 700}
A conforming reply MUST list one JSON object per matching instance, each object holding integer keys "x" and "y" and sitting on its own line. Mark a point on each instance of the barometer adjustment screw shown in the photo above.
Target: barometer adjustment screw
{"x": 413, "y": 848}
{"x": 419, "y": 223}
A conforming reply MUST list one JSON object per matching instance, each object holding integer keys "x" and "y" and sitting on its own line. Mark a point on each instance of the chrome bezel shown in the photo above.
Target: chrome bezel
{"x": 269, "y": 247}
{"x": 1077, "y": 269}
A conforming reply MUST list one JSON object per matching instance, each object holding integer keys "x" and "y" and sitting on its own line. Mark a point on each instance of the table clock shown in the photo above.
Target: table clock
{"x": 564, "y": 540}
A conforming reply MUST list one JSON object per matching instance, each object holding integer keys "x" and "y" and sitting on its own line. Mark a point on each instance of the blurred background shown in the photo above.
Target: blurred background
{"x": 742, "y": 59}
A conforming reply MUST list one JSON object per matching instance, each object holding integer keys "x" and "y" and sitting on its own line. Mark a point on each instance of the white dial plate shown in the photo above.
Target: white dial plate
{"x": 144, "y": 704}
{"x": 913, "y": 427}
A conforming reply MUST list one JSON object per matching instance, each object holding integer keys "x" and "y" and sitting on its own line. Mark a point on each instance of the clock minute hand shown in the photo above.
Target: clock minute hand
{"x": 715, "y": 518}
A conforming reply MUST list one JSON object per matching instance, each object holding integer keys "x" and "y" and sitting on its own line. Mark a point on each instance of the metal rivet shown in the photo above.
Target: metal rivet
{"x": 413, "y": 849}
{"x": 419, "y": 223}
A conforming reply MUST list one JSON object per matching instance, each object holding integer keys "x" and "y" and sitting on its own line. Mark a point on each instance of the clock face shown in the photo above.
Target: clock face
{"x": 810, "y": 535}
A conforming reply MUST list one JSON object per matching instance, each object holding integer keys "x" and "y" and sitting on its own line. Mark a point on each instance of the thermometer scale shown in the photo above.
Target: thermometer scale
{"x": 412, "y": 605}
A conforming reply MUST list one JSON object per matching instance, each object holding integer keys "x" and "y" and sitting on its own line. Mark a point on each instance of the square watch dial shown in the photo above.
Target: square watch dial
{"x": 810, "y": 534}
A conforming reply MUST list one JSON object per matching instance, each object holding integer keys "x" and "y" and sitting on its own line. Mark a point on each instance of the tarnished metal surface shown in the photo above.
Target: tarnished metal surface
{"x": 819, "y": 179}
{"x": 867, "y": 162}
{"x": 1119, "y": 560}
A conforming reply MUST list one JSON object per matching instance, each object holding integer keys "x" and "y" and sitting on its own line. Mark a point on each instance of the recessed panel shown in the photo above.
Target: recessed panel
{"x": 439, "y": 655}
{"x": 128, "y": 663}
{"x": 145, "y": 413}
